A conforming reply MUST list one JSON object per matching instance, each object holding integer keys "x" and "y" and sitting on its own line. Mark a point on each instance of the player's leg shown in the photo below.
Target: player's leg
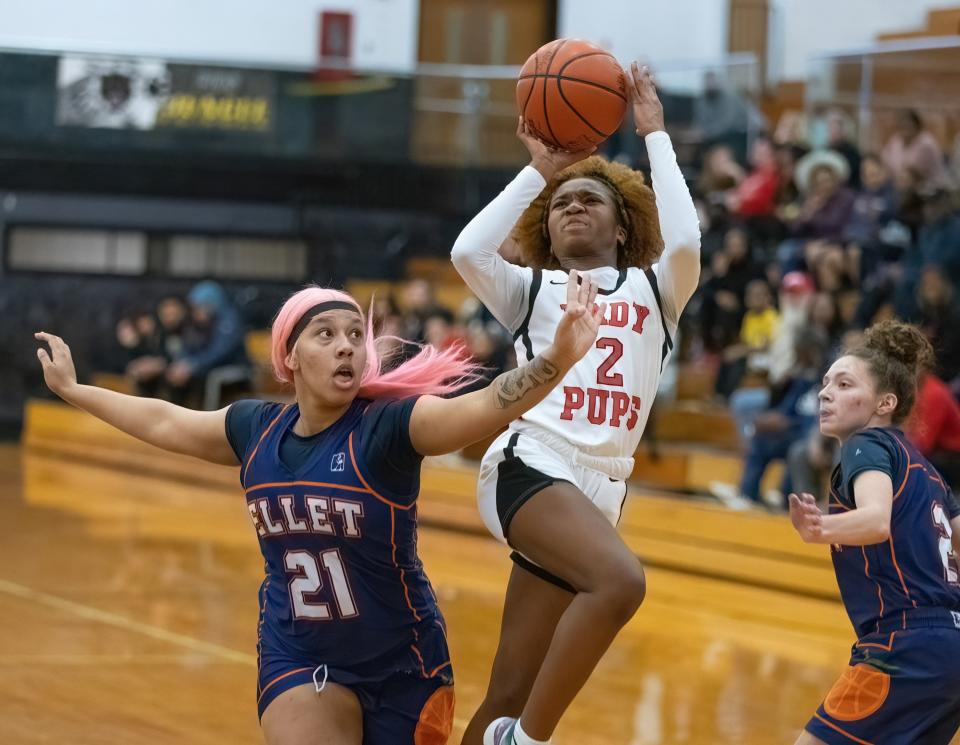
{"x": 561, "y": 530}
{"x": 301, "y": 716}
{"x": 531, "y": 610}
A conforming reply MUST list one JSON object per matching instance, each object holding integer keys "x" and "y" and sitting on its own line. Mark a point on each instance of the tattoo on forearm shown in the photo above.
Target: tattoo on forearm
{"x": 512, "y": 386}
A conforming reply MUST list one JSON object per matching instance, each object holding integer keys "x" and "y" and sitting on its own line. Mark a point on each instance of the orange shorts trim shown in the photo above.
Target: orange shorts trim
{"x": 834, "y": 727}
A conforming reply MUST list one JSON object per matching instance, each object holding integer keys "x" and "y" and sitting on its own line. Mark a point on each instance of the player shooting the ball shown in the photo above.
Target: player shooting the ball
{"x": 553, "y": 485}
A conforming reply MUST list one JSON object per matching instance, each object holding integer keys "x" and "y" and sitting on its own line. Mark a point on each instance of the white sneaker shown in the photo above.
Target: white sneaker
{"x": 500, "y": 732}
{"x": 729, "y": 495}
{"x": 773, "y": 498}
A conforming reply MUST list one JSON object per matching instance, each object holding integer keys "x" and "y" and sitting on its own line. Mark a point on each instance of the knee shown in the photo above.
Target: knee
{"x": 624, "y": 592}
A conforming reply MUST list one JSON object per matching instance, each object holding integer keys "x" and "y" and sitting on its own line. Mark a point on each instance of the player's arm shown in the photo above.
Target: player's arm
{"x": 869, "y": 523}
{"x": 201, "y": 434}
{"x": 442, "y": 425}
{"x": 678, "y": 270}
{"x": 500, "y": 285}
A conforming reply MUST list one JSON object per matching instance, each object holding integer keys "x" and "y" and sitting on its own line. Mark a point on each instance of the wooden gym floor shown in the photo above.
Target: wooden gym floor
{"x": 128, "y": 607}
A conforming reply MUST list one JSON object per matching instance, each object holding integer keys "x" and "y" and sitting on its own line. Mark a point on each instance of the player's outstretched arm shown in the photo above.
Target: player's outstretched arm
{"x": 678, "y": 271}
{"x": 442, "y": 425}
{"x": 201, "y": 434}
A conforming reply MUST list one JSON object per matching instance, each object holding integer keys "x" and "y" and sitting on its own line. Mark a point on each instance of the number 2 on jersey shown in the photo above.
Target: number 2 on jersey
{"x": 309, "y": 582}
{"x": 951, "y": 567}
{"x": 616, "y": 352}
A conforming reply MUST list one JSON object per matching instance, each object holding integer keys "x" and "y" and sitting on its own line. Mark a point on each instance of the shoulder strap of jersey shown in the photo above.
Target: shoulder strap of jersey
{"x": 667, "y": 341}
{"x": 523, "y": 330}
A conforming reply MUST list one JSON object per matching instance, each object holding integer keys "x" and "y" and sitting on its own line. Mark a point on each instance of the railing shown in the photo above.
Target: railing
{"x": 874, "y": 83}
{"x": 438, "y": 114}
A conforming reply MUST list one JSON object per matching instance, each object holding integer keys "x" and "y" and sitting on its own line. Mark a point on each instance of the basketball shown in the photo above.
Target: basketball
{"x": 572, "y": 94}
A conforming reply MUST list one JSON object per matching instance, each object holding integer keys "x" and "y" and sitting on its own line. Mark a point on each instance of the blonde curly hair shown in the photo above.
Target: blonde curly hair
{"x": 635, "y": 204}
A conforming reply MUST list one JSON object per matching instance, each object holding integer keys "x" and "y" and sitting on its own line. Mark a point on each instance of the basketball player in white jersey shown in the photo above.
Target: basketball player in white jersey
{"x": 553, "y": 485}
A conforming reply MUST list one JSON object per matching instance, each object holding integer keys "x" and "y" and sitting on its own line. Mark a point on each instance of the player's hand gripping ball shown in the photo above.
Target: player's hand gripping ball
{"x": 572, "y": 94}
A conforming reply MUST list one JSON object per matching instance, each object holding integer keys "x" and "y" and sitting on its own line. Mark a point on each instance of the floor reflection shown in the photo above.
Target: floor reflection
{"x": 128, "y": 609}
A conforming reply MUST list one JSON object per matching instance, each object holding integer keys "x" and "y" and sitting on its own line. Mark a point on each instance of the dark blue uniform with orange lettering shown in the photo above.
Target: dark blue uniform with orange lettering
{"x": 345, "y": 598}
{"x": 903, "y": 597}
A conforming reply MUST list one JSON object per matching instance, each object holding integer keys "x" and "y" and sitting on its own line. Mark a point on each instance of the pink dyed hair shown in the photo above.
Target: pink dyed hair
{"x": 430, "y": 371}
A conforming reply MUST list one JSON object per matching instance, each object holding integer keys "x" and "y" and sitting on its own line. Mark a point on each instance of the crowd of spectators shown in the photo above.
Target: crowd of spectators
{"x": 807, "y": 240}
{"x": 192, "y": 349}
{"x": 188, "y": 350}
{"x": 804, "y": 246}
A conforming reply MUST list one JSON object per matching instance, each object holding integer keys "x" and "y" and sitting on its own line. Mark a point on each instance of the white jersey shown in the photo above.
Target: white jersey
{"x": 603, "y": 403}
{"x": 604, "y": 400}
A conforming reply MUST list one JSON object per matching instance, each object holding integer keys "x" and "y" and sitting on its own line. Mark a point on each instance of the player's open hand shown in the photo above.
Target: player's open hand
{"x": 581, "y": 319}
{"x": 806, "y": 517}
{"x": 58, "y": 371}
{"x": 548, "y": 160}
{"x": 647, "y": 109}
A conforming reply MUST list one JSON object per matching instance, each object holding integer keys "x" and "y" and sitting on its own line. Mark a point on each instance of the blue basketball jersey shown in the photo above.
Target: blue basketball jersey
{"x": 338, "y": 531}
{"x": 916, "y": 567}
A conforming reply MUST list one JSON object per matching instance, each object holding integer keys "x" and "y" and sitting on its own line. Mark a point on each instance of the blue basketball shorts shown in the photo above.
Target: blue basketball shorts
{"x": 399, "y": 707}
{"x": 902, "y": 686}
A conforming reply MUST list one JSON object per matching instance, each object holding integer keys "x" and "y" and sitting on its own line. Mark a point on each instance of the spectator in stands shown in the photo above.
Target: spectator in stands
{"x": 913, "y": 155}
{"x": 825, "y": 317}
{"x": 756, "y": 333}
{"x": 128, "y": 343}
{"x": 722, "y": 116}
{"x": 934, "y": 428}
{"x": 939, "y": 319}
{"x": 937, "y": 245}
{"x": 796, "y": 297}
{"x": 488, "y": 351}
{"x": 809, "y": 462}
{"x": 840, "y": 133}
{"x": 418, "y": 302}
{"x": 140, "y": 337}
{"x": 146, "y": 369}
{"x": 388, "y": 325}
{"x": 825, "y": 209}
{"x": 723, "y": 292}
{"x": 827, "y": 203}
{"x": 873, "y": 235}
{"x": 791, "y": 131}
{"x": 440, "y": 329}
{"x": 829, "y": 265}
{"x": 216, "y": 356}
{"x": 756, "y": 195}
{"x": 719, "y": 177}
{"x": 788, "y": 195}
{"x": 786, "y": 421}
{"x": 174, "y": 317}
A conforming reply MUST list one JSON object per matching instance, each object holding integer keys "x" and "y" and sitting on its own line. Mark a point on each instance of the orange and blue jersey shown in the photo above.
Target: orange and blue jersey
{"x": 914, "y": 568}
{"x": 345, "y": 598}
{"x": 902, "y": 683}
